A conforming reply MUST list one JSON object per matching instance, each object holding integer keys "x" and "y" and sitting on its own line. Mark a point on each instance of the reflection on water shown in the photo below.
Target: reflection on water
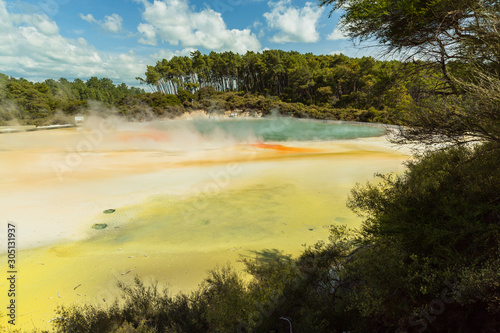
{"x": 178, "y": 211}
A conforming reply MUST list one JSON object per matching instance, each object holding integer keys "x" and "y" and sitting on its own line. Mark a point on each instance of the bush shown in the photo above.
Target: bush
{"x": 434, "y": 228}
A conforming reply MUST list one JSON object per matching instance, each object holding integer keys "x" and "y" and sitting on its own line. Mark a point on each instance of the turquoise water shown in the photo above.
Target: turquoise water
{"x": 278, "y": 129}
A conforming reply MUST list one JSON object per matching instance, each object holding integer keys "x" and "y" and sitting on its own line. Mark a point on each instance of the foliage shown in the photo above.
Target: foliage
{"x": 324, "y": 80}
{"x": 439, "y": 31}
{"x": 438, "y": 222}
{"x": 445, "y": 205}
{"x": 481, "y": 285}
{"x": 144, "y": 309}
{"x": 52, "y": 102}
{"x": 471, "y": 117}
{"x": 302, "y": 85}
{"x": 461, "y": 40}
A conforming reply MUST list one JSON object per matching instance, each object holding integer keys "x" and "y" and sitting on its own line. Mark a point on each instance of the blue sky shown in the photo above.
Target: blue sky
{"x": 44, "y": 39}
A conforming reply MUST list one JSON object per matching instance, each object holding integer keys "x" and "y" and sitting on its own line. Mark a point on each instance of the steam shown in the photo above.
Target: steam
{"x": 58, "y": 118}
{"x": 190, "y": 132}
{"x": 106, "y": 130}
{"x": 195, "y": 133}
{"x": 9, "y": 114}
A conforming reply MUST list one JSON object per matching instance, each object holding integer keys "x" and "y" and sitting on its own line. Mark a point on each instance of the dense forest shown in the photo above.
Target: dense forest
{"x": 333, "y": 80}
{"x": 302, "y": 85}
{"x": 321, "y": 86}
{"x": 51, "y": 101}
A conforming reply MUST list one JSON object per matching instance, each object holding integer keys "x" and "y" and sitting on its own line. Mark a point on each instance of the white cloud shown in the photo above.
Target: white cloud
{"x": 45, "y": 25}
{"x": 294, "y": 24}
{"x": 337, "y": 52}
{"x": 148, "y": 33}
{"x": 111, "y": 23}
{"x": 5, "y": 20}
{"x": 173, "y": 21}
{"x": 336, "y": 34}
{"x": 89, "y": 18}
{"x": 41, "y": 22}
{"x": 32, "y": 48}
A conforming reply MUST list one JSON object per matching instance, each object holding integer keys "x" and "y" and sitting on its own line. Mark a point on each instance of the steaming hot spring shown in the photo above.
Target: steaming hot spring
{"x": 169, "y": 200}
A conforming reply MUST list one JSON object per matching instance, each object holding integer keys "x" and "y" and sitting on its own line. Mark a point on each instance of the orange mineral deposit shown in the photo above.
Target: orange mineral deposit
{"x": 284, "y": 148}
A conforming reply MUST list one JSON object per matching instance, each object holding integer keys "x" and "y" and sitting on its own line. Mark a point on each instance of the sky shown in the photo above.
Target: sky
{"x": 50, "y": 39}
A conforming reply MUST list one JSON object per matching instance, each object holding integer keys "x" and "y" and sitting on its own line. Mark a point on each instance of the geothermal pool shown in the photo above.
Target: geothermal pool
{"x": 187, "y": 195}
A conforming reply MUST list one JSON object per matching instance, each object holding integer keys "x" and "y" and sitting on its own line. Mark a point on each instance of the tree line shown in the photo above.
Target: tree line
{"x": 336, "y": 81}
{"x": 294, "y": 84}
{"x": 34, "y": 102}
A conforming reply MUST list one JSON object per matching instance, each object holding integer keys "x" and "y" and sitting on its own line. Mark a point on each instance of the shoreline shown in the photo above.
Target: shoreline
{"x": 192, "y": 115}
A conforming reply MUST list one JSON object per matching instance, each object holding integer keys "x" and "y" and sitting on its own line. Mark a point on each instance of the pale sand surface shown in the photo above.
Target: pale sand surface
{"x": 181, "y": 209}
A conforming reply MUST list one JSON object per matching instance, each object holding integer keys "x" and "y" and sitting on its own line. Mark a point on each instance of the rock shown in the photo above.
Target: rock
{"x": 109, "y": 211}
{"x": 99, "y": 226}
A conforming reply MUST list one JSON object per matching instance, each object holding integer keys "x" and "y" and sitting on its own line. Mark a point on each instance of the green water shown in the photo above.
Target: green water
{"x": 277, "y": 129}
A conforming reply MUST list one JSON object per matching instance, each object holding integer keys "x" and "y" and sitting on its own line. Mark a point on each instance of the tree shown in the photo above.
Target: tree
{"x": 462, "y": 39}
{"x": 434, "y": 231}
{"x": 431, "y": 30}
{"x": 475, "y": 115}
{"x": 438, "y": 222}
{"x": 328, "y": 80}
